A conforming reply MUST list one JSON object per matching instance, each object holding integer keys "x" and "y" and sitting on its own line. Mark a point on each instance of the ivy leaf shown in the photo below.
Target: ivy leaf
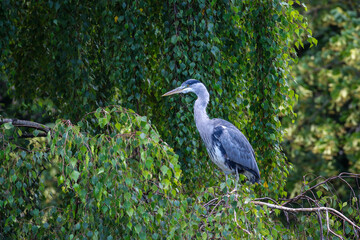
{"x": 173, "y": 39}
{"x": 73, "y": 162}
{"x": 215, "y": 51}
{"x": 103, "y": 122}
{"x": 8, "y": 126}
{"x": 130, "y": 212}
{"x": 36, "y": 132}
{"x": 118, "y": 126}
{"x": 142, "y": 135}
{"x": 319, "y": 193}
{"x": 164, "y": 169}
{"x": 75, "y": 175}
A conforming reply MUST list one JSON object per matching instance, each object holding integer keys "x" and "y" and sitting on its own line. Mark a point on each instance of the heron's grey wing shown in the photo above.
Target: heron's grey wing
{"x": 237, "y": 148}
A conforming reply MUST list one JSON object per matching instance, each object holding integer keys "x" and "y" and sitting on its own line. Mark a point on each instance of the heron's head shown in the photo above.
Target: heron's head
{"x": 190, "y": 85}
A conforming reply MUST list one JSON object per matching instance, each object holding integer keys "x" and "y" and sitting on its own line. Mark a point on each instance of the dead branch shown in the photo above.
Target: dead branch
{"x": 293, "y": 206}
{"x": 344, "y": 174}
{"x": 328, "y": 226}
{"x": 334, "y": 211}
{"x": 237, "y": 224}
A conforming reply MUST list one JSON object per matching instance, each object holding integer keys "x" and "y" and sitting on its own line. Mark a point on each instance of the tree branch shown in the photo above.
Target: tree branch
{"x": 343, "y": 174}
{"x": 328, "y": 226}
{"x": 28, "y": 124}
{"x": 280, "y": 207}
{"x": 24, "y": 123}
{"x": 237, "y": 224}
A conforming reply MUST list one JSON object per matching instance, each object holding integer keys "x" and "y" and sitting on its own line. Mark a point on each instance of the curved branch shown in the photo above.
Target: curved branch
{"x": 328, "y": 226}
{"x": 318, "y": 184}
{"x": 335, "y": 212}
{"x": 237, "y": 224}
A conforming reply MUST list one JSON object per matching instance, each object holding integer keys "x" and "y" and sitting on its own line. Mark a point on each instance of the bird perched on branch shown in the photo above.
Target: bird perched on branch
{"x": 227, "y": 147}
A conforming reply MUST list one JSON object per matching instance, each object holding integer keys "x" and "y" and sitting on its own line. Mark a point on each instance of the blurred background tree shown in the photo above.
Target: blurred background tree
{"x": 325, "y": 138}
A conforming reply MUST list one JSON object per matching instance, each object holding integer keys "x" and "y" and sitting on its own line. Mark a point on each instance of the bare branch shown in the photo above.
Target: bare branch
{"x": 320, "y": 223}
{"x": 335, "y": 212}
{"x": 344, "y": 174}
{"x": 237, "y": 224}
{"x": 328, "y": 226}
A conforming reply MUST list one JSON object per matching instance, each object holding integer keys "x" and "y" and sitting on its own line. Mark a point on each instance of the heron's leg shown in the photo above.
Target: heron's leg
{"x": 227, "y": 201}
{"x": 237, "y": 180}
{"x": 226, "y": 179}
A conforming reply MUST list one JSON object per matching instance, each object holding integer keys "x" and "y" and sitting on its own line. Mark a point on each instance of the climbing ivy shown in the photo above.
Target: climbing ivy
{"x": 77, "y": 56}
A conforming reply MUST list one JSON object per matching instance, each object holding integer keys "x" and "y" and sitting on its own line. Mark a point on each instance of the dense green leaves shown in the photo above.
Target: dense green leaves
{"x": 78, "y": 56}
{"x": 119, "y": 180}
{"x": 110, "y": 174}
{"x": 86, "y": 179}
{"x": 106, "y": 181}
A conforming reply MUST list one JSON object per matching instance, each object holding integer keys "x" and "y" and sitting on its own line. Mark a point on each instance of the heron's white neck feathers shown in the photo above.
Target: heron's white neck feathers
{"x": 201, "y": 118}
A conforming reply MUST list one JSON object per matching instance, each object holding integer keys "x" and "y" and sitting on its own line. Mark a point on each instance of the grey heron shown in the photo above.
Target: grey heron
{"x": 226, "y": 145}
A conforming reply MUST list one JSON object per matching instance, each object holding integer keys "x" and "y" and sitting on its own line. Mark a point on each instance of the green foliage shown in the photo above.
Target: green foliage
{"x": 111, "y": 176}
{"x": 131, "y": 52}
{"x": 102, "y": 185}
{"x": 325, "y": 138}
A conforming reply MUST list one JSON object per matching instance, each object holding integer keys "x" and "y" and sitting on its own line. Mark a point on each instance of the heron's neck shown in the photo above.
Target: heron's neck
{"x": 201, "y": 118}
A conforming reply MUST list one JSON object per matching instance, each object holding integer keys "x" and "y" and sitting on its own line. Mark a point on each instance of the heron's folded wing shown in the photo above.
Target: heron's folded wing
{"x": 237, "y": 148}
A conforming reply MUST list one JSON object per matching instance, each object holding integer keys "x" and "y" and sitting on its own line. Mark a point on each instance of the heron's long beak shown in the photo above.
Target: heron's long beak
{"x": 174, "y": 91}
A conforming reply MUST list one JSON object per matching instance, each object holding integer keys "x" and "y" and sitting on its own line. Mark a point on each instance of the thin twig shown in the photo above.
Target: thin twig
{"x": 328, "y": 226}
{"x": 321, "y": 226}
{"x": 320, "y": 183}
{"x": 237, "y": 224}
